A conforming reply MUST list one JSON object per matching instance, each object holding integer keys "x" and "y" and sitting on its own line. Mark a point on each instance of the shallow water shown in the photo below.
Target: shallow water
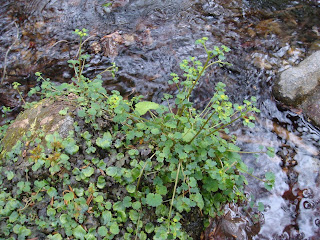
{"x": 266, "y": 37}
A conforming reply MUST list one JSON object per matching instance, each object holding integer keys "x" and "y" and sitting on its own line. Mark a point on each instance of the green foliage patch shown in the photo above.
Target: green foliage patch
{"x": 131, "y": 169}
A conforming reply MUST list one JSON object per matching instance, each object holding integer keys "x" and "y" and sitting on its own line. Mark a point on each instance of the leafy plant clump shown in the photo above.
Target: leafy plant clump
{"x": 131, "y": 169}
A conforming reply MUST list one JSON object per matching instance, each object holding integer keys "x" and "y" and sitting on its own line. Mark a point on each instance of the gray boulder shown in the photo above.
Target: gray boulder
{"x": 300, "y": 87}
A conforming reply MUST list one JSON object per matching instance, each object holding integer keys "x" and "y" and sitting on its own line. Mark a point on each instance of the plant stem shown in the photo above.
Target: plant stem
{"x": 138, "y": 224}
{"x": 6, "y": 55}
{"x": 204, "y": 112}
{"x": 174, "y": 192}
{"x": 253, "y": 175}
{"x": 141, "y": 172}
{"x": 106, "y": 70}
{"x": 200, "y": 74}
{"x": 203, "y": 126}
{"x": 244, "y": 152}
{"x": 75, "y": 71}
{"x": 227, "y": 124}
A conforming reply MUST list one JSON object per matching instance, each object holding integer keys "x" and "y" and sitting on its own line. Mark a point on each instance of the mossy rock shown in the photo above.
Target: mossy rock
{"x": 42, "y": 117}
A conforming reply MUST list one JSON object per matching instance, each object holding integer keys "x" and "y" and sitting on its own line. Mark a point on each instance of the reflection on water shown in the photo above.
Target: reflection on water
{"x": 152, "y": 38}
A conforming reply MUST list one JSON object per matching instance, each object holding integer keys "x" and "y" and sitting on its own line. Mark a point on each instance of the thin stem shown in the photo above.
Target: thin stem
{"x": 244, "y": 152}
{"x": 219, "y": 61}
{"x": 205, "y": 48}
{"x": 193, "y": 85}
{"x": 204, "y": 110}
{"x": 105, "y": 95}
{"x": 80, "y": 62}
{"x": 138, "y": 224}
{"x": 174, "y": 192}
{"x": 82, "y": 67}
{"x": 203, "y": 126}
{"x": 106, "y": 70}
{"x": 58, "y": 43}
{"x": 221, "y": 162}
{"x": 140, "y": 118}
{"x": 184, "y": 179}
{"x": 75, "y": 71}
{"x": 234, "y": 163}
{"x": 178, "y": 87}
{"x": 252, "y": 175}
{"x": 24, "y": 102}
{"x": 79, "y": 50}
{"x": 169, "y": 106}
{"x": 223, "y": 126}
{"x": 152, "y": 115}
{"x": 221, "y": 122}
{"x": 200, "y": 74}
{"x": 85, "y": 41}
{"x": 141, "y": 172}
{"x": 6, "y": 56}
{"x": 138, "y": 183}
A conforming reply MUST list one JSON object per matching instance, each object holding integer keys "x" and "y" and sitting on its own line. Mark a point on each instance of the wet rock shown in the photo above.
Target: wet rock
{"x": 299, "y": 87}
{"x": 315, "y": 46}
{"x": 311, "y": 106}
{"x": 269, "y": 26}
{"x": 233, "y": 225}
{"x": 298, "y": 82}
{"x": 111, "y": 44}
{"x": 261, "y": 62}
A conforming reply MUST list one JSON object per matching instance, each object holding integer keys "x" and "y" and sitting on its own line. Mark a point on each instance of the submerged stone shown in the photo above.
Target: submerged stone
{"x": 296, "y": 83}
{"x": 300, "y": 87}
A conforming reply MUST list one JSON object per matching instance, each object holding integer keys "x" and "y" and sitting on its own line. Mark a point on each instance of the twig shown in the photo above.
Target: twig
{"x": 58, "y": 43}
{"x": 83, "y": 43}
{"x": 6, "y": 56}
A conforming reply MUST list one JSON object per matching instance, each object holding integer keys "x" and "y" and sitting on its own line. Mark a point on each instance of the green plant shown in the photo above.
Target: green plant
{"x": 16, "y": 87}
{"x": 5, "y": 111}
{"x": 108, "y": 4}
{"x": 144, "y": 166}
{"x": 191, "y": 164}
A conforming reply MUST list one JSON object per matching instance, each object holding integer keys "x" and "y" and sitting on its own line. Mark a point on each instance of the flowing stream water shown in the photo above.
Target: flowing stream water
{"x": 148, "y": 39}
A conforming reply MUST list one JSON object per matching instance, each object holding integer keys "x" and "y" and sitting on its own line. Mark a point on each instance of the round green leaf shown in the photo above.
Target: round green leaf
{"x": 51, "y": 212}
{"x": 260, "y": 206}
{"x": 114, "y": 228}
{"x": 10, "y": 175}
{"x": 155, "y": 131}
{"x": 88, "y": 171}
{"x": 149, "y": 227}
{"x": 143, "y": 107}
{"x": 112, "y": 171}
{"x": 188, "y": 135}
{"x": 133, "y": 215}
{"x": 127, "y": 202}
{"x": 131, "y": 188}
{"x": 64, "y": 218}
{"x": 79, "y": 232}
{"x": 68, "y": 196}
{"x": 136, "y": 205}
{"x": 106, "y": 217}
{"x": 98, "y": 199}
{"x": 102, "y": 231}
{"x": 105, "y": 141}
{"x": 13, "y": 217}
{"x": 154, "y": 200}
{"x": 56, "y": 236}
{"x": 70, "y": 146}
